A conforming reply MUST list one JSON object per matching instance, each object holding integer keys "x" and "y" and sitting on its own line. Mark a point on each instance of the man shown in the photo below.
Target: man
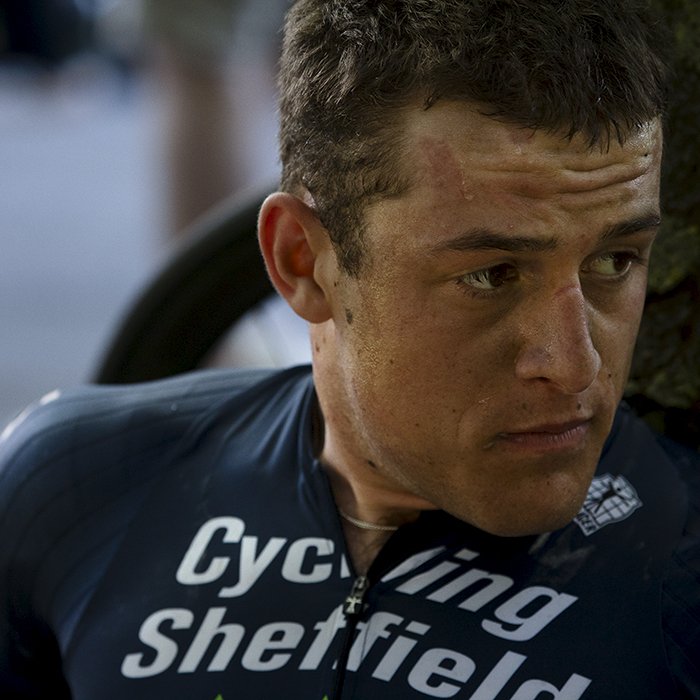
{"x": 453, "y": 504}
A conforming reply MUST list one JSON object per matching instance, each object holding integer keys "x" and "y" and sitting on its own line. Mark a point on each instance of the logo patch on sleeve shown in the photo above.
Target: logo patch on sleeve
{"x": 609, "y": 500}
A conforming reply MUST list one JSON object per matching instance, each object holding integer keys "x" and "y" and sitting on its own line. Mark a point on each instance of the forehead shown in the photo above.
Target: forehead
{"x": 468, "y": 172}
{"x": 452, "y": 145}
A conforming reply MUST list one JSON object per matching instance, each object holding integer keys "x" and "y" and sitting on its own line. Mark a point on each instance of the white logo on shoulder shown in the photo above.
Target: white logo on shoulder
{"x": 609, "y": 500}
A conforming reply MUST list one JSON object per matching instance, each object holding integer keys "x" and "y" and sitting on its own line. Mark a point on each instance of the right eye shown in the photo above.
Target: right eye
{"x": 490, "y": 278}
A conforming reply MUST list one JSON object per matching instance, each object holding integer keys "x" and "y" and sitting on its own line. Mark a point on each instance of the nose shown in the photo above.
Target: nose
{"x": 557, "y": 345}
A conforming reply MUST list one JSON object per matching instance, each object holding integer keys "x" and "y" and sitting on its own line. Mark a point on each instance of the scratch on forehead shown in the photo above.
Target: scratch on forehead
{"x": 444, "y": 169}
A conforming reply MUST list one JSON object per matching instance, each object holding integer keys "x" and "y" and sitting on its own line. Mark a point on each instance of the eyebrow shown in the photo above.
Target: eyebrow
{"x": 486, "y": 239}
{"x": 629, "y": 228}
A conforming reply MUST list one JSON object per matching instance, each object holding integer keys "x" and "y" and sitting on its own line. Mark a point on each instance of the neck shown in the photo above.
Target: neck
{"x": 375, "y": 519}
{"x": 360, "y": 486}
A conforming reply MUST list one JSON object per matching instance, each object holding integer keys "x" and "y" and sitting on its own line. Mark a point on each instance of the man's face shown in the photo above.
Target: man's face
{"x": 478, "y": 359}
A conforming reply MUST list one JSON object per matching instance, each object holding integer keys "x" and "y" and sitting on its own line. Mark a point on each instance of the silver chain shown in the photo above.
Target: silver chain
{"x": 368, "y": 526}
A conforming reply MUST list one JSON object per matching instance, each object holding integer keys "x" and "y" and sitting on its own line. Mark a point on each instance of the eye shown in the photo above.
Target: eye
{"x": 613, "y": 264}
{"x": 491, "y": 278}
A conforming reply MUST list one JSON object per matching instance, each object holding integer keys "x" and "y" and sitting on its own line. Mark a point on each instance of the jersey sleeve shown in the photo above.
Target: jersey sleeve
{"x": 75, "y": 470}
{"x": 29, "y": 657}
{"x": 681, "y": 594}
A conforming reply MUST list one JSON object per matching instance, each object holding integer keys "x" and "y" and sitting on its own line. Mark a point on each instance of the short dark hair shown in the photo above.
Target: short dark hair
{"x": 598, "y": 67}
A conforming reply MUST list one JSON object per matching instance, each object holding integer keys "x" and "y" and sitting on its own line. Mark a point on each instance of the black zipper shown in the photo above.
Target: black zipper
{"x": 353, "y": 608}
{"x": 355, "y": 605}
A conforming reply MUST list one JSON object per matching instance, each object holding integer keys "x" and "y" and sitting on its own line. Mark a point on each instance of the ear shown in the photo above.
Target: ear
{"x": 293, "y": 241}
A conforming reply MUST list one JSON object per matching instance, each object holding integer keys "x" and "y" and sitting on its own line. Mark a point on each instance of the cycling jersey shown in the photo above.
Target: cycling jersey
{"x": 178, "y": 539}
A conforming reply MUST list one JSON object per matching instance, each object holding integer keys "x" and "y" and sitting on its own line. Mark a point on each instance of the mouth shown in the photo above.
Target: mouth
{"x": 547, "y": 437}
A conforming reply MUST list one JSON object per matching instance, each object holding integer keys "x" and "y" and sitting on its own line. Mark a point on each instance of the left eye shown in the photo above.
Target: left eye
{"x": 612, "y": 264}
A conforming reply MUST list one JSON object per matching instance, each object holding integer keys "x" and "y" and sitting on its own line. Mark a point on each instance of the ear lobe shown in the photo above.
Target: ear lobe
{"x": 289, "y": 235}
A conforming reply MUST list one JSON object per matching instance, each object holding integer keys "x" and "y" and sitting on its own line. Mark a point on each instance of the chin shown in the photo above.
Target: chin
{"x": 522, "y": 519}
{"x": 537, "y": 526}
{"x": 534, "y": 521}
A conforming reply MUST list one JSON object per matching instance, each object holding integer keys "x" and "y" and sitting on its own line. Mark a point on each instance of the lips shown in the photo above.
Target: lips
{"x": 548, "y": 436}
{"x": 550, "y": 428}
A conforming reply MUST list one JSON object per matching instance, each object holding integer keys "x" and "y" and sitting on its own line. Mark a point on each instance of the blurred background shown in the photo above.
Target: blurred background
{"x": 121, "y": 121}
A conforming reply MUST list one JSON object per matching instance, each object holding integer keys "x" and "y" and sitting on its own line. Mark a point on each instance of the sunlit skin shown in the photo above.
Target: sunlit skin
{"x": 476, "y": 363}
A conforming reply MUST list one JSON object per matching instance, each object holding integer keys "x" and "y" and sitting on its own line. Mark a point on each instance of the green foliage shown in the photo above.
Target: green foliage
{"x": 664, "y": 383}
{"x": 676, "y": 254}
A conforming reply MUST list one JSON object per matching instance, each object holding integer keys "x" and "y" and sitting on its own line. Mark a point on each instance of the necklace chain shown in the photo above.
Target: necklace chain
{"x": 368, "y": 526}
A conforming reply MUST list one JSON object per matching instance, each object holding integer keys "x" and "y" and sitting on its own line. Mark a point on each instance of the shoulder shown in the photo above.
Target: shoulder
{"x": 74, "y": 445}
{"x": 75, "y": 470}
{"x": 681, "y": 595}
{"x": 667, "y": 467}
{"x": 83, "y": 417}
{"x": 113, "y": 408}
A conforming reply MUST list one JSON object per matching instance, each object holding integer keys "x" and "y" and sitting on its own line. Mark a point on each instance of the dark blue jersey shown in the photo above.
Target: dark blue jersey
{"x": 179, "y": 540}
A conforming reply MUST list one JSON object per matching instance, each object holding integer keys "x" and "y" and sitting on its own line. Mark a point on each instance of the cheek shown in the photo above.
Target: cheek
{"x": 631, "y": 313}
{"x": 617, "y": 334}
{"x": 436, "y": 381}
